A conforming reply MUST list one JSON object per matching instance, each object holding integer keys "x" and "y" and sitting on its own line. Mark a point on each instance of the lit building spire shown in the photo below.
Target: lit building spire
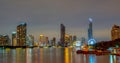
{"x": 90, "y": 19}
{"x": 91, "y": 40}
{"x": 90, "y": 31}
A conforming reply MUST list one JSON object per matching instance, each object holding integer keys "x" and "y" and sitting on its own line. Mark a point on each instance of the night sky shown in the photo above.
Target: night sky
{"x": 45, "y": 17}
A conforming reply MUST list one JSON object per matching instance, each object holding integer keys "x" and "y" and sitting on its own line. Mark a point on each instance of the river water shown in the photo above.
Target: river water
{"x": 52, "y": 55}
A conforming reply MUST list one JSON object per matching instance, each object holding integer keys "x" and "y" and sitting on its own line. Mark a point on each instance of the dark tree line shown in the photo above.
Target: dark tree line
{"x": 103, "y": 45}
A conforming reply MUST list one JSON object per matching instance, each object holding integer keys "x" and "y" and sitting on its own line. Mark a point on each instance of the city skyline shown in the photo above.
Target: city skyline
{"x": 44, "y": 17}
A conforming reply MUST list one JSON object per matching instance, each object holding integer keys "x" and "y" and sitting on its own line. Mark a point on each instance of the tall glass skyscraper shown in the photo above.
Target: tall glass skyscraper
{"x": 62, "y": 39}
{"x": 90, "y": 31}
{"x": 91, "y": 40}
{"x": 21, "y": 34}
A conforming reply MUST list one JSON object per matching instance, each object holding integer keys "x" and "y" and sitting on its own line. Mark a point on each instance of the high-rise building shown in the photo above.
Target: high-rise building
{"x": 115, "y": 32}
{"x": 47, "y": 41}
{"x": 53, "y": 41}
{"x": 42, "y": 38}
{"x": 67, "y": 40}
{"x": 90, "y": 31}
{"x": 71, "y": 42}
{"x": 21, "y": 34}
{"x": 4, "y": 40}
{"x": 62, "y": 38}
{"x": 74, "y": 38}
{"x": 30, "y": 40}
{"x": 91, "y": 40}
{"x": 82, "y": 40}
{"x": 14, "y": 39}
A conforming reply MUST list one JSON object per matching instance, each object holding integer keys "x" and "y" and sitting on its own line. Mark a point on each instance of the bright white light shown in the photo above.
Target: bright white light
{"x": 91, "y": 42}
{"x": 78, "y": 43}
{"x": 90, "y": 19}
{"x": 13, "y": 32}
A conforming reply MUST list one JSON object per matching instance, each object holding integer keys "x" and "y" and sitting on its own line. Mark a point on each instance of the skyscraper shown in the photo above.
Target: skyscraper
{"x": 83, "y": 40}
{"x": 71, "y": 42}
{"x": 14, "y": 39}
{"x": 91, "y": 40}
{"x": 90, "y": 31}
{"x": 42, "y": 39}
{"x": 74, "y": 38}
{"x": 30, "y": 40}
{"x": 21, "y": 34}
{"x": 47, "y": 41}
{"x": 62, "y": 38}
{"x": 53, "y": 41}
{"x": 67, "y": 40}
{"x": 115, "y": 32}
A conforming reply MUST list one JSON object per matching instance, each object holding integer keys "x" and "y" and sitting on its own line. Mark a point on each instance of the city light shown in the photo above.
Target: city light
{"x": 78, "y": 43}
{"x": 91, "y": 41}
{"x": 14, "y": 32}
{"x": 90, "y": 19}
{"x": 59, "y": 31}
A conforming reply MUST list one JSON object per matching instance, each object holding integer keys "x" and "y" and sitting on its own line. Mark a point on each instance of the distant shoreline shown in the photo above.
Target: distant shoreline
{"x": 12, "y": 47}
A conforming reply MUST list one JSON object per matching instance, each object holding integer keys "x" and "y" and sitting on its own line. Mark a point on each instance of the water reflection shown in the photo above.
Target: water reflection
{"x": 114, "y": 59}
{"x": 20, "y": 55}
{"x": 85, "y": 58}
{"x": 66, "y": 56}
{"x": 52, "y": 55}
{"x": 36, "y": 55}
{"x": 28, "y": 55}
{"x": 13, "y": 56}
{"x": 92, "y": 58}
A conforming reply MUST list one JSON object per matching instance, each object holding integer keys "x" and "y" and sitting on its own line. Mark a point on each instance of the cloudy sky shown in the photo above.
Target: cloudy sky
{"x": 45, "y": 16}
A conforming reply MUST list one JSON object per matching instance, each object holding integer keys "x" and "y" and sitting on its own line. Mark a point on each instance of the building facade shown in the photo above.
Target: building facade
{"x": 115, "y": 32}
{"x": 62, "y": 33}
{"x": 74, "y": 38}
{"x": 14, "y": 39}
{"x": 30, "y": 40}
{"x": 21, "y": 34}
{"x": 53, "y": 42}
{"x": 91, "y": 40}
{"x": 90, "y": 30}
{"x": 42, "y": 39}
{"x": 4, "y": 40}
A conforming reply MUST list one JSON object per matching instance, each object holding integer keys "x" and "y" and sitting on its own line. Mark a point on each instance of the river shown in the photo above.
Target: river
{"x": 52, "y": 55}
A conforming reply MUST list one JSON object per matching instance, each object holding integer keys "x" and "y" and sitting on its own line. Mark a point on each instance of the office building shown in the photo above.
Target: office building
{"x": 115, "y": 32}
{"x": 42, "y": 40}
{"x": 21, "y": 34}
{"x": 62, "y": 34}
{"x": 14, "y": 39}
{"x": 74, "y": 38}
{"x": 71, "y": 42}
{"x": 67, "y": 40}
{"x": 47, "y": 41}
{"x": 30, "y": 40}
{"x": 53, "y": 41}
{"x": 4, "y": 40}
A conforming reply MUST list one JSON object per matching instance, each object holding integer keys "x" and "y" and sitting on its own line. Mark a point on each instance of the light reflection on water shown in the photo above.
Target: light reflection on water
{"x": 92, "y": 59}
{"x": 114, "y": 59}
{"x": 52, "y": 55}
